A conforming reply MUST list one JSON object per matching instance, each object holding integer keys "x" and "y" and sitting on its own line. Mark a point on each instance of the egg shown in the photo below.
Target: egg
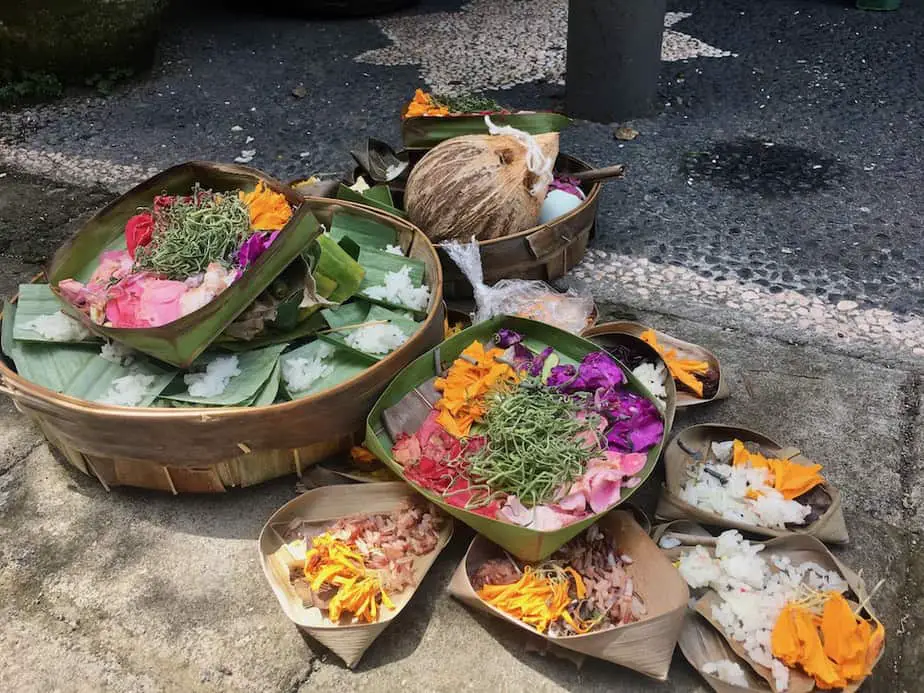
{"x": 558, "y": 203}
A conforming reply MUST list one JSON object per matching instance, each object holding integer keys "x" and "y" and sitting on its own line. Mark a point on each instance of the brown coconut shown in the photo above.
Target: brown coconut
{"x": 476, "y": 185}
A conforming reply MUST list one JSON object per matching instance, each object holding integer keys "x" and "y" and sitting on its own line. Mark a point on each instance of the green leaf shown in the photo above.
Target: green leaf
{"x": 345, "y": 193}
{"x": 351, "y": 313}
{"x": 363, "y": 231}
{"x": 256, "y": 369}
{"x": 344, "y": 363}
{"x": 380, "y": 193}
{"x": 526, "y": 544}
{"x": 48, "y": 364}
{"x": 375, "y": 313}
{"x": 378, "y": 264}
{"x": 35, "y": 301}
{"x": 181, "y": 341}
{"x": 95, "y": 379}
{"x": 267, "y": 394}
{"x": 425, "y": 132}
{"x": 337, "y": 276}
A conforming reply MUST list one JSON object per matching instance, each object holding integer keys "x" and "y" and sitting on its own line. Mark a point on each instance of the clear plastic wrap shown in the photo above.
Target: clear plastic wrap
{"x": 526, "y": 298}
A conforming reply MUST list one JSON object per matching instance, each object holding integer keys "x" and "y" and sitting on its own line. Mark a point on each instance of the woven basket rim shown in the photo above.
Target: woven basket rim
{"x": 12, "y": 383}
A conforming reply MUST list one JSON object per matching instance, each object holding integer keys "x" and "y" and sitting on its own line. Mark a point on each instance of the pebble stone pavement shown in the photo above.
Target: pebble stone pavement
{"x": 771, "y": 211}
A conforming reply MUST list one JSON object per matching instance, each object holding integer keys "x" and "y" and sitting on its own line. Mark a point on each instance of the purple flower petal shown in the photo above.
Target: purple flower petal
{"x": 254, "y": 247}
{"x": 507, "y": 338}
{"x": 535, "y": 368}
{"x": 560, "y": 376}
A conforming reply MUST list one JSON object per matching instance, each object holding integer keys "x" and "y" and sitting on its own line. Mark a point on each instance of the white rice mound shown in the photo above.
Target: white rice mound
{"x": 301, "y": 373}
{"x": 727, "y": 671}
{"x": 729, "y": 500}
{"x": 753, "y": 592}
{"x": 215, "y": 379}
{"x": 652, "y": 377}
{"x": 376, "y": 339}
{"x": 117, "y": 353}
{"x": 394, "y": 250}
{"x": 128, "y": 391}
{"x": 58, "y": 327}
{"x": 399, "y": 290}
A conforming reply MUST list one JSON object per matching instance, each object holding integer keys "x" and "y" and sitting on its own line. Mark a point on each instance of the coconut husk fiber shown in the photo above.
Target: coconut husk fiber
{"x": 476, "y": 186}
{"x": 828, "y": 524}
{"x": 323, "y": 507}
{"x": 685, "y": 350}
{"x": 702, "y": 640}
{"x": 645, "y": 646}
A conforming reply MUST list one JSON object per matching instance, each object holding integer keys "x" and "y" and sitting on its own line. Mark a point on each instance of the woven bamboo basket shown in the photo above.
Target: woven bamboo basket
{"x": 209, "y": 450}
{"x": 544, "y": 252}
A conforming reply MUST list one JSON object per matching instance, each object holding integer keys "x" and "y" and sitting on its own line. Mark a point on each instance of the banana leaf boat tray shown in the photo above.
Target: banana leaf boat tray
{"x": 210, "y": 449}
{"x": 525, "y": 543}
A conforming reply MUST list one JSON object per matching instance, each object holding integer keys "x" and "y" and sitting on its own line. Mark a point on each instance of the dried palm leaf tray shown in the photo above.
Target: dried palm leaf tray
{"x": 323, "y": 507}
{"x": 692, "y": 445}
{"x": 413, "y": 393}
{"x": 702, "y": 639}
{"x": 646, "y": 645}
{"x": 544, "y": 252}
{"x": 211, "y": 449}
{"x": 607, "y": 332}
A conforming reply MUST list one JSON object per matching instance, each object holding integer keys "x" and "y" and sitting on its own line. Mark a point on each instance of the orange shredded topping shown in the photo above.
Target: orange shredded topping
{"x": 423, "y": 104}
{"x": 336, "y": 563}
{"x": 682, "y": 370}
{"x": 471, "y": 376}
{"x": 539, "y": 600}
{"x": 269, "y": 210}
{"x": 835, "y": 648}
{"x": 789, "y": 478}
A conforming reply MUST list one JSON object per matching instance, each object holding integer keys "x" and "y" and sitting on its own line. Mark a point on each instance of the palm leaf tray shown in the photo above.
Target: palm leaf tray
{"x": 219, "y": 443}
{"x": 407, "y": 400}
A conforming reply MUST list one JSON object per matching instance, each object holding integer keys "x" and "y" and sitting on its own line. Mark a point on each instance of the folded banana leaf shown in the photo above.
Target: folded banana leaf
{"x": 36, "y": 301}
{"x": 181, "y": 341}
{"x": 344, "y": 364}
{"x": 271, "y": 336}
{"x": 96, "y": 380}
{"x": 425, "y": 132}
{"x": 381, "y": 194}
{"x": 526, "y": 544}
{"x": 337, "y": 276}
{"x": 345, "y": 193}
{"x": 270, "y": 390}
{"x": 255, "y": 367}
{"x": 47, "y": 364}
{"x": 378, "y": 264}
{"x": 364, "y": 232}
{"x": 348, "y": 316}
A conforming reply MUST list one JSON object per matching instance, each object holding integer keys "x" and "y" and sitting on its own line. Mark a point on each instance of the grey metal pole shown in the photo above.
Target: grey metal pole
{"x": 614, "y": 56}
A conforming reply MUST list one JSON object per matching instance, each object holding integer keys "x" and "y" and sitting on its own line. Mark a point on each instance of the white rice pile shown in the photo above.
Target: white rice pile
{"x": 727, "y": 671}
{"x": 117, "y": 353}
{"x": 376, "y": 339}
{"x": 215, "y": 379}
{"x": 753, "y": 592}
{"x": 128, "y": 391}
{"x": 301, "y": 373}
{"x": 58, "y": 327}
{"x": 399, "y": 290}
{"x": 729, "y": 499}
{"x": 652, "y": 377}
{"x": 394, "y": 250}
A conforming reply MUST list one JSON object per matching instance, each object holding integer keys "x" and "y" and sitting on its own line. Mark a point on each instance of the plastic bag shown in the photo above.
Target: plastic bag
{"x": 525, "y": 298}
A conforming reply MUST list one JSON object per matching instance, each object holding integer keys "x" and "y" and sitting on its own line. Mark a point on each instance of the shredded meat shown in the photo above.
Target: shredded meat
{"x": 497, "y": 571}
{"x": 387, "y": 541}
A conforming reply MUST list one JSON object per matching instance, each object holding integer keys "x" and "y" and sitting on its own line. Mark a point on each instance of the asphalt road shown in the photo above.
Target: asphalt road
{"x": 794, "y": 164}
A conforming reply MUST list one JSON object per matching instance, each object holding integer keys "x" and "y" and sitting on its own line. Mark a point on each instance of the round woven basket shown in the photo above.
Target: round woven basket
{"x": 209, "y": 450}
{"x": 545, "y": 252}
